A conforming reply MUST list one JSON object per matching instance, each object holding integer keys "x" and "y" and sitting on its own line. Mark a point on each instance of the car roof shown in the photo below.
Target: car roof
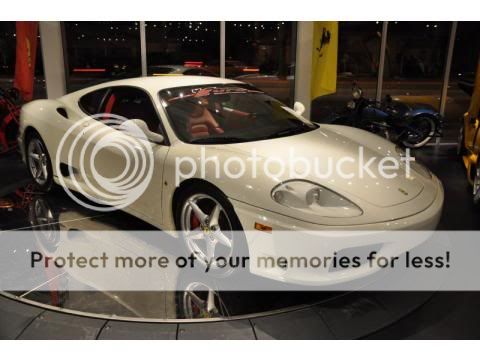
{"x": 154, "y": 84}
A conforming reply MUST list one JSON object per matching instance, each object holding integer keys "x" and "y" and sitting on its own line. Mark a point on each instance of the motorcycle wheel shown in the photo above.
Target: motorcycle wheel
{"x": 425, "y": 130}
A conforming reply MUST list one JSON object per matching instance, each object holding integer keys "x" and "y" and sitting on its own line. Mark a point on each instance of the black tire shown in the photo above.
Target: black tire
{"x": 44, "y": 183}
{"x": 430, "y": 129}
{"x": 239, "y": 248}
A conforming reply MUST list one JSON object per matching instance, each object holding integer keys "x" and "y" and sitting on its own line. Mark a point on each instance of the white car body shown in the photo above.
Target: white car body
{"x": 383, "y": 201}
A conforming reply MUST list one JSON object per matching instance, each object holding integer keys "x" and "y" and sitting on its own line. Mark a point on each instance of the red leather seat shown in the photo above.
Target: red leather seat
{"x": 203, "y": 125}
{"x": 110, "y": 103}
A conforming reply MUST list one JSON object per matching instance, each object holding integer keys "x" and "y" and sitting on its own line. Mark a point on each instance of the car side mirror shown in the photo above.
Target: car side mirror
{"x": 134, "y": 125}
{"x": 299, "y": 108}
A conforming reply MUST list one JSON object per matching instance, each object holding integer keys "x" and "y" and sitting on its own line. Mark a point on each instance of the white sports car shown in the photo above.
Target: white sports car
{"x": 203, "y": 136}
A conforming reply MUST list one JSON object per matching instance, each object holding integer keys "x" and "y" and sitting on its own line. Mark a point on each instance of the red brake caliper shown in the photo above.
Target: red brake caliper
{"x": 194, "y": 222}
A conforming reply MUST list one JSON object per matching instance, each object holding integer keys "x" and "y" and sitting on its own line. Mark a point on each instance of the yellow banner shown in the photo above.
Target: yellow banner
{"x": 324, "y": 58}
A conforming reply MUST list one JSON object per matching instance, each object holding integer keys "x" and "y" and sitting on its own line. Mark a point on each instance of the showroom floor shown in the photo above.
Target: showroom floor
{"x": 259, "y": 315}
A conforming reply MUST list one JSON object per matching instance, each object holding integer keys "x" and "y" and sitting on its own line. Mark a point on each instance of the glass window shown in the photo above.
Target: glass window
{"x": 91, "y": 102}
{"x": 183, "y": 44}
{"x": 198, "y": 72}
{"x": 357, "y": 61}
{"x": 99, "y": 51}
{"x": 7, "y": 49}
{"x": 229, "y": 114}
{"x": 462, "y": 76}
{"x": 160, "y": 70}
{"x": 262, "y": 54}
{"x": 415, "y": 59}
{"x": 131, "y": 103}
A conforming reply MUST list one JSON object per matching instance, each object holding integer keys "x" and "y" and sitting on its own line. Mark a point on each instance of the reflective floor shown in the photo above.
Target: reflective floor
{"x": 22, "y": 207}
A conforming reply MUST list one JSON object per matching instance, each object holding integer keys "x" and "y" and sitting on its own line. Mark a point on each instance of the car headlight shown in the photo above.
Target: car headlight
{"x": 315, "y": 199}
{"x": 415, "y": 165}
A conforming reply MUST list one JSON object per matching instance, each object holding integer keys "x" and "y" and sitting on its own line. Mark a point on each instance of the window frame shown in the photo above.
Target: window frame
{"x": 100, "y": 104}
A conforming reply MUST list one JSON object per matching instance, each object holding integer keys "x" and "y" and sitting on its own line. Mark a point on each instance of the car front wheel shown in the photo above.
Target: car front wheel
{"x": 209, "y": 227}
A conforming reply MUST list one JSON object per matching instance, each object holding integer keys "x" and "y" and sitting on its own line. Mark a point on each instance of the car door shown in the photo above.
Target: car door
{"x": 131, "y": 165}
{"x": 69, "y": 132}
{"x": 476, "y": 140}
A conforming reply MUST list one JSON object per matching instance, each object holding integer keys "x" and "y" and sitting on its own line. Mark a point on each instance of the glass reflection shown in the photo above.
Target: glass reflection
{"x": 183, "y": 47}
{"x": 262, "y": 54}
{"x": 101, "y": 50}
{"x": 357, "y": 61}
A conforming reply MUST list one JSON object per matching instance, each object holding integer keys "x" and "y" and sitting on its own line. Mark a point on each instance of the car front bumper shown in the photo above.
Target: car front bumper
{"x": 262, "y": 243}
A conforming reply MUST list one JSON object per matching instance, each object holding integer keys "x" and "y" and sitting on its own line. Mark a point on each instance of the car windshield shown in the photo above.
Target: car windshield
{"x": 219, "y": 114}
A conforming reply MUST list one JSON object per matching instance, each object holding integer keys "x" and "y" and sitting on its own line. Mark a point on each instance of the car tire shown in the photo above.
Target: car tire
{"x": 39, "y": 165}
{"x": 195, "y": 235}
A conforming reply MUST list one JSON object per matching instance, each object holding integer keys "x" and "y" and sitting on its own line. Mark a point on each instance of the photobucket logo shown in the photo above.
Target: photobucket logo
{"x": 122, "y": 176}
{"x": 293, "y": 166}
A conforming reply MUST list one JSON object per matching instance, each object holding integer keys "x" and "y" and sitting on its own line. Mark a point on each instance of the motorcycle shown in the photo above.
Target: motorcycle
{"x": 410, "y": 125}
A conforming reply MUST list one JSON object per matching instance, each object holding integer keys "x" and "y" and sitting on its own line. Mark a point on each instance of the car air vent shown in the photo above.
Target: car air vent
{"x": 62, "y": 112}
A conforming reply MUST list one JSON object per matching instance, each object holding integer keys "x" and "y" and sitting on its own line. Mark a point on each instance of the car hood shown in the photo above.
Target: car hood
{"x": 329, "y": 144}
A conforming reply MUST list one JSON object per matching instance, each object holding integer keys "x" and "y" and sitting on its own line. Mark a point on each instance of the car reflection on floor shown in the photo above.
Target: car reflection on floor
{"x": 26, "y": 208}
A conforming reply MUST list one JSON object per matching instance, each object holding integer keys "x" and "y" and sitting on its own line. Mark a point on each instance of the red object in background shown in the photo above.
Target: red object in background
{"x": 89, "y": 70}
{"x": 25, "y": 58}
{"x": 193, "y": 64}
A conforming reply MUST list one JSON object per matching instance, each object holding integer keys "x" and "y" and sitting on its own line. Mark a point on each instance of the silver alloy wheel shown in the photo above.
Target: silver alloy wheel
{"x": 43, "y": 222}
{"x": 43, "y": 215}
{"x": 37, "y": 161}
{"x": 201, "y": 301}
{"x": 213, "y": 235}
{"x": 476, "y": 186}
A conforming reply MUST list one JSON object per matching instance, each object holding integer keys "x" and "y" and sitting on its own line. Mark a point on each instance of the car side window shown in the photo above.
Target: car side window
{"x": 132, "y": 103}
{"x": 90, "y": 103}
